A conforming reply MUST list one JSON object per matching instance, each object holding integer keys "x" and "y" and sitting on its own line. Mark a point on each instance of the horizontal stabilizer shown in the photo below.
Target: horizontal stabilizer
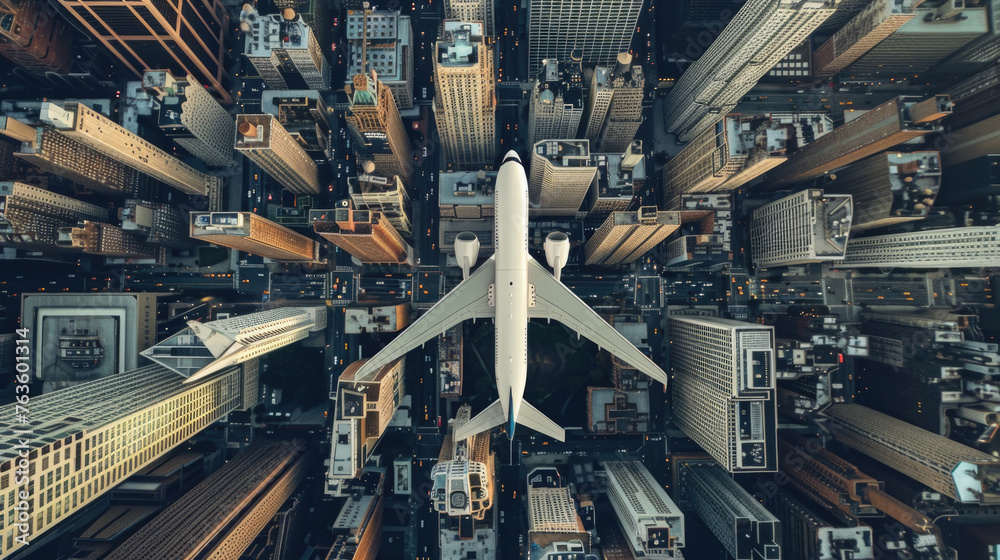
{"x": 530, "y": 417}
{"x": 491, "y": 417}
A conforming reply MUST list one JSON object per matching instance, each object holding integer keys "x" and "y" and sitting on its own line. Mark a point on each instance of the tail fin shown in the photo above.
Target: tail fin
{"x": 490, "y": 417}
{"x": 529, "y": 417}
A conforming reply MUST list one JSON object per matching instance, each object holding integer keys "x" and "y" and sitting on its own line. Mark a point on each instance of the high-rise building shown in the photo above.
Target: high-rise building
{"x": 364, "y": 409}
{"x": 465, "y": 98}
{"x": 117, "y": 425}
{"x": 805, "y": 227}
{"x": 553, "y": 524}
{"x": 35, "y": 38}
{"x": 304, "y": 116}
{"x": 30, "y": 217}
{"x": 368, "y": 236}
{"x": 191, "y": 116}
{"x": 358, "y": 527}
{"x": 472, "y": 10}
{"x": 377, "y": 129}
{"x": 893, "y": 122}
{"x": 599, "y": 98}
{"x": 52, "y": 152}
{"x": 974, "y": 140}
{"x": 112, "y": 327}
{"x": 106, "y": 240}
{"x": 920, "y": 43}
{"x": 561, "y": 177}
{"x": 809, "y": 536}
{"x": 160, "y": 223}
{"x": 463, "y": 476}
{"x": 251, "y": 233}
{"x": 619, "y": 178}
{"x": 87, "y": 126}
{"x": 961, "y": 247}
{"x": 653, "y": 524}
{"x": 599, "y": 30}
{"x": 467, "y": 194}
{"x": 889, "y": 188}
{"x": 202, "y": 349}
{"x": 737, "y": 150}
{"x": 743, "y": 526}
{"x": 873, "y": 24}
{"x": 220, "y": 517}
{"x": 385, "y": 195}
{"x": 625, "y": 112}
{"x": 145, "y": 35}
{"x": 723, "y": 390}
{"x": 626, "y": 236}
{"x": 388, "y": 51}
{"x": 757, "y": 37}
{"x": 265, "y": 142}
{"x": 556, "y": 105}
{"x": 956, "y": 470}
{"x": 284, "y": 50}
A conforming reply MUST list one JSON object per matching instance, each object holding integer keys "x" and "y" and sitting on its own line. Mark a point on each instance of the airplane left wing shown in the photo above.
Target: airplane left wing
{"x": 468, "y": 300}
{"x": 553, "y": 300}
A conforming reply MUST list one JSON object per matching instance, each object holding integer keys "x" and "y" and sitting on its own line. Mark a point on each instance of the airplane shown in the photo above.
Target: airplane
{"x": 511, "y": 288}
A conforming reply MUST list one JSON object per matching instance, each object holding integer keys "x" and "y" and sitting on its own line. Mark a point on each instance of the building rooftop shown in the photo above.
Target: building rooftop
{"x": 459, "y": 44}
{"x": 388, "y": 36}
{"x": 468, "y": 187}
{"x": 565, "y": 153}
{"x": 272, "y": 32}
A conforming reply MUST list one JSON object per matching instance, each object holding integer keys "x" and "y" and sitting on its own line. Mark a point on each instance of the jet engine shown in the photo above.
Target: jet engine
{"x": 556, "y": 251}
{"x": 466, "y": 251}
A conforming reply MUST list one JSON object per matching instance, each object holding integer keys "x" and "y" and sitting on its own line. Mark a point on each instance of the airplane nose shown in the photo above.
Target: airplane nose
{"x": 511, "y": 156}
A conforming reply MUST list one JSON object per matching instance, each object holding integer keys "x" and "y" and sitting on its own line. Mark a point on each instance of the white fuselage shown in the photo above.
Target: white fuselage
{"x": 510, "y": 290}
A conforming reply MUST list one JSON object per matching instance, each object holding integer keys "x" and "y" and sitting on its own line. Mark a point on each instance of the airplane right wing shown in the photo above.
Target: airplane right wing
{"x": 468, "y": 300}
{"x": 553, "y": 300}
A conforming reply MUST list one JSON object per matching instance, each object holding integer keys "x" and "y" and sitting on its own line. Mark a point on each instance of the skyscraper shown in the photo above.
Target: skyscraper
{"x": 368, "y": 236}
{"x": 265, "y": 142}
{"x": 619, "y": 178}
{"x": 192, "y": 117}
{"x": 55, "y": 153}
{"x": 251, "y": 233}
{"x": 385, "y": 195}
{"x": 363, "y": 411}
{"x": 958, "y": 471}
{"x": 889, "y": 188}
{"x": 472, "y": 10}
{"x": 744, "y": 527}
{"x": 625, "y": 112}
{"x": 223, "y": 514}
{"x": 960, "y": 247}
{"x": 188, "y": 39}
{"x": 463, "y": 476}
{"x": 388, "y": 52}
{"x": 893, "y": 122}
{"x": 202, "y": 349}
{"x": 106, "y": 240}
{"x": 85, "y": 125}
{"x": 626, "y": 236}
{"x": 556, "y": 105}
{"x": 284, "y": 49}
{"x": 465, "y": 99}
{"x": 916, "y": 46}
{"x": 723, "y": 390}
{"x": 159, "y": 223}
{"x": 35, "y": 38}
{"x": 304, "y": 116}
{"x": 805, "y": 227}
{"x": 598, "y": 101}
{"x": 653, "y": 524}
{"x": 377, "y": 129}
{"x": 30, "y": 217}
{"x": 101, "y": 446}
{"x": 561, "y": 177}
{"x": 873, "y": 24}
{"x": 757, "y": 37}
{"x": 599, "y": 30}
{"x": 737, "y": 150}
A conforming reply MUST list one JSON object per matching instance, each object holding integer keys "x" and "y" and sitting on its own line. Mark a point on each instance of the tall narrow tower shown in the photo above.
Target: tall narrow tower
{"x": 625, "y": 111}
{"x": 265, "y": 142}
{"x": 465, "y": 100}
{"x": 377, "y": 128}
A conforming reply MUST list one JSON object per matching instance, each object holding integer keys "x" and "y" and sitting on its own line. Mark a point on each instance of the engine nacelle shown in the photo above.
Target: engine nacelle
{"x": 466, "y": 251}
{"x": 556, "y": 251}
